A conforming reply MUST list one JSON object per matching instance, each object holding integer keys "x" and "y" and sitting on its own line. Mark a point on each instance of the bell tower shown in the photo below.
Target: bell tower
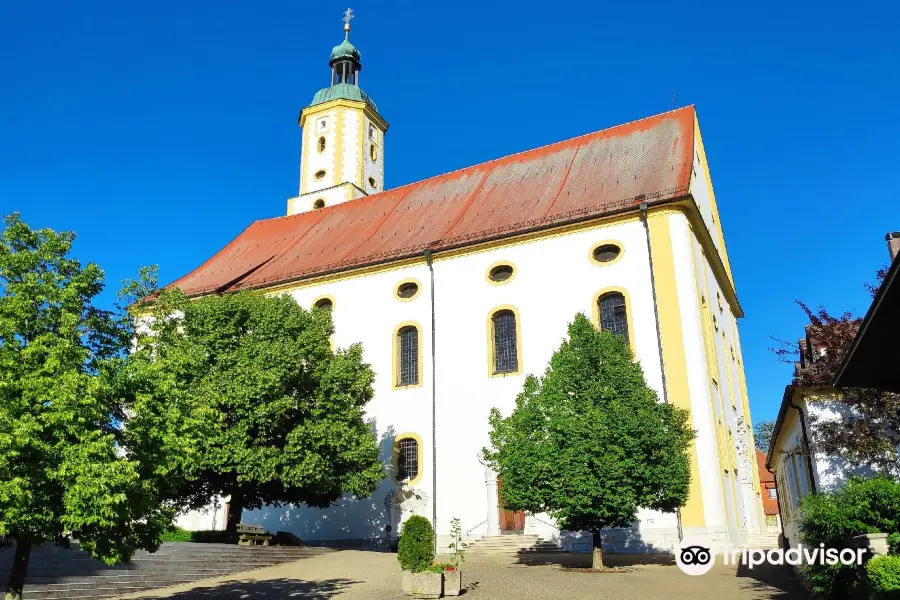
{"x": 342, "y": 139}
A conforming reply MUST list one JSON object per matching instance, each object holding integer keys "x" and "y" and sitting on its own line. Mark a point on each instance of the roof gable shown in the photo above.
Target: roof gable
{"x": 585, "y": 177}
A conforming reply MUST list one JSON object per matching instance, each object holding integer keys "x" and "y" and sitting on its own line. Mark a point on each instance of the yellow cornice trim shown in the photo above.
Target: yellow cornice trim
{"x": 501, "y": 263}
{"x": 395, "y": 455}
{"x": 403, "y": 282}
{"x": 490, "y": 345}
{"x": 395, "y": 356}
{"x": 343, "y": 103}
{"x": 628, "y": 314}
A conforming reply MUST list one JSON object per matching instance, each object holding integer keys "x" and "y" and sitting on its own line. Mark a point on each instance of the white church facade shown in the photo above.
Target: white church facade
{"x": 460, "y": 285}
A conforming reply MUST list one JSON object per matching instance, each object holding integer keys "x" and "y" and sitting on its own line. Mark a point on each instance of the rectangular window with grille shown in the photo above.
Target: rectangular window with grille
{"x": 408, "y": 359}
{"x": 407, "y": 459}
{"x": 506, "y": 358}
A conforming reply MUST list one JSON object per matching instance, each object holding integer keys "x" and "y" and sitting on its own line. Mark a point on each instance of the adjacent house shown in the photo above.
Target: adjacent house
{"x": 769, "y": 494}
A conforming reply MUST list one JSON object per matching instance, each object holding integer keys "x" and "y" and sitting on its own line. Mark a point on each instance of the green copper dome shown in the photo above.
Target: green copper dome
{"x": 345, "y": 50}
{"x": 343, "y": 91}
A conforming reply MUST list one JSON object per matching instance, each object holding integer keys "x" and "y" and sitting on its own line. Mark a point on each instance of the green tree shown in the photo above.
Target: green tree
{"x": 63, "y": 469}
{"x": 762, "y": 433}
{"x": 247, "y": 399}
{"x": 589, "y": 442}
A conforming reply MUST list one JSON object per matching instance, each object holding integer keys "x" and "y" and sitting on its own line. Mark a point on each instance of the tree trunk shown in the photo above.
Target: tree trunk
{"x": 235, "y": 508}
{"x": 19, "y": 570}
{"x": 597, "y": 562}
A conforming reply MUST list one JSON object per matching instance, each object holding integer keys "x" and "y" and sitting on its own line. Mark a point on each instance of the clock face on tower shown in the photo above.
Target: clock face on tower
{"x": 322, "y": 124}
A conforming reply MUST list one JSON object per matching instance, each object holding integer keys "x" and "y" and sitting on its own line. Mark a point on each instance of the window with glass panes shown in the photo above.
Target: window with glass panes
{"x": 408, "y": 359}
{"x": 613, "y": 314}
{"x": 506, "y": 359}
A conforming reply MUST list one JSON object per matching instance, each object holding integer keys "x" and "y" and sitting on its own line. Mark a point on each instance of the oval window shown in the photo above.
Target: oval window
{"x": 407, "y": 290}
{"x": 372, "y": 182}
{"x": 325, "y": 303}
{"x": 373, "y": 152}
{"x": 606, "y": 253}
{"x": 319, "y": 203}
{"x": 320, "y": 174}
{"x": 501, "y": 273}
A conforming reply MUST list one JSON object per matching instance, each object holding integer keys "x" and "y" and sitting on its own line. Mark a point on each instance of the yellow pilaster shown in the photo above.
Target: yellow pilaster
{"x": 673, "y": 349}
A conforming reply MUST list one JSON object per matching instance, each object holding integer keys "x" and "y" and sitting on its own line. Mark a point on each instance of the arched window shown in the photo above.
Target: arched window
{"x": 407, "y": 459}
{"x": 506, "y": 355}
{"x": 614, "y": 314}
{"x": 325, "y": 303}
{"x": 408, "y": 356}
{"x": 320, "y": 203}
{"x": 322, "y": 144}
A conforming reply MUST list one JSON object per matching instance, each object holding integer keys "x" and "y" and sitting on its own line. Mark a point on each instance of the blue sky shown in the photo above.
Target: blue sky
{"x": 157, "y": 131}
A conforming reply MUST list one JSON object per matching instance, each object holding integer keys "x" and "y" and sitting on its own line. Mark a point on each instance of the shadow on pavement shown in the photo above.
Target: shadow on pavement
{"x": 565, "y": 559}
{"x": 780, "y": 577}
{"x": 267, "y": 590}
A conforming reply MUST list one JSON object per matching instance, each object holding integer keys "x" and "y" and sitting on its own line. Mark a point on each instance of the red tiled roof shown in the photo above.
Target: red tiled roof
{"x": 589, "y": 176}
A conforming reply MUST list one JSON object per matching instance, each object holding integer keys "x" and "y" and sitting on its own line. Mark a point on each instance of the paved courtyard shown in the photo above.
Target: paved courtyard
{"x": 359, "y": 574}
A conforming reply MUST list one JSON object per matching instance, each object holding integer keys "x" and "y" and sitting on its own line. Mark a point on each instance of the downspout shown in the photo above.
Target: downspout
{"x": 433, "y": 408}
{"x": 659, "y": 344}
{"x": 809, "y": 463}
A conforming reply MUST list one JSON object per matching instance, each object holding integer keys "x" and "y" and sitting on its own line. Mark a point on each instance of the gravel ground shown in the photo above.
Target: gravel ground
{"x": 354, "y": 574}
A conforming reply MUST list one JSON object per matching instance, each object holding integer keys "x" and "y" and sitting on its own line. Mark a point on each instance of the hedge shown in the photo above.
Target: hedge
{"x": 883, "y": 573}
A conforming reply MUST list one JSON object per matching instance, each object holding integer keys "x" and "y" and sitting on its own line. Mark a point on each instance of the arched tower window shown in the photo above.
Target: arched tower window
{"x": 613, "y": 313}
{"x": 505, "y": 342}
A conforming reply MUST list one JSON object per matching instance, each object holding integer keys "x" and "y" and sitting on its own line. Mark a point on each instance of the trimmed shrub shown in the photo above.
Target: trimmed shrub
{"x": 416, "y": 548}
{"x": 861, "y": 506}
{"x": 894, "y": 543}
{"x": 211, "y": 536}
{"x": 883, "y": 573}
{"x": 176, "y": 534}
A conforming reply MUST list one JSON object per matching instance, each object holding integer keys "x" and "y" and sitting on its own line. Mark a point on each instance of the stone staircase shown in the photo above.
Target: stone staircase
{"x": 762, "y": 541}
{"x": 511, "y": 545}
{"x": 55, "y": 573}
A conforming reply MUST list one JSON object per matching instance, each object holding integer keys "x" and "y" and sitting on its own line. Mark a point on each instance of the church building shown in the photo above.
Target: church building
{"x": 460, "y": 285}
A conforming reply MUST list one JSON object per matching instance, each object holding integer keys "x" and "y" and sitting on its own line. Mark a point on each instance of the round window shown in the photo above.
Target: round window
{"x": 325, "y": 303}
{"x": 320, "y": 174}
{"x": 605, "y": 253}
{"x": 372, "y": 182}
{"x": 319, "y": 203}
{"x": 501, "y": 273}
{"x": 407, "y": 290}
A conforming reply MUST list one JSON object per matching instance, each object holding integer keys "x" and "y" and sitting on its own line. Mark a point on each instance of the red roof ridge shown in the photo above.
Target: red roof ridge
{"x": 580, "y": 178}
{"x": 578, "y": 138}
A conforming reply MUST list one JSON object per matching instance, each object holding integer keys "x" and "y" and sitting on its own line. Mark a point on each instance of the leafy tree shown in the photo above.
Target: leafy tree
{"x": 589, "y": 442}
{"x": 63, "y": 469}
{"x": 762, "y": 433}
{"x": 868, "y": 433}
{"x": 248, "y": 399}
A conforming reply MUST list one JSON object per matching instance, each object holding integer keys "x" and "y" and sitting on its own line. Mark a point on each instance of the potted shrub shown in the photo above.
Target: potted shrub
{"x": 452, "y": 572}
{"x": 415, "y": 552}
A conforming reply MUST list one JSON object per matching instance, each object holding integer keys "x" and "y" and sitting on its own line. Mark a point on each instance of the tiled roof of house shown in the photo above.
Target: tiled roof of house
{"x": 606, "y": 172}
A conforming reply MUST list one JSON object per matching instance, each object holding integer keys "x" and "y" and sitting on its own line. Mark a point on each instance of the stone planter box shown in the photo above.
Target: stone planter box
{"x": 427, "y": 585}
{"x": 452, "y": 582}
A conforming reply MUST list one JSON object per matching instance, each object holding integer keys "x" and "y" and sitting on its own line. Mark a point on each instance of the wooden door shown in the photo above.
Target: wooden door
{"x": 510, "y": 521}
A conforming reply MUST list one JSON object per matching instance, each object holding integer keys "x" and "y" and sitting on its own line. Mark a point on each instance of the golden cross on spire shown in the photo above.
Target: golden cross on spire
{"x": 348, "y": 15}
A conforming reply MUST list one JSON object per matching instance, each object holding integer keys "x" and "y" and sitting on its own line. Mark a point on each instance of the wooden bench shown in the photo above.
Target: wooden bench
{"x": 252, "y": 535}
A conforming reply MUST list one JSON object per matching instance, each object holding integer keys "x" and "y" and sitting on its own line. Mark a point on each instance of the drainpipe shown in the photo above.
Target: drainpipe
{"x": 809, "y": 463}
{"x": 659, "y": 344}
{"x": 433, "y": 408}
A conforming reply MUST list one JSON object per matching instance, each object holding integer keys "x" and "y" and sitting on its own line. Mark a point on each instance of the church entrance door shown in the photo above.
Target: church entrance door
{"x": 510, "y": 521}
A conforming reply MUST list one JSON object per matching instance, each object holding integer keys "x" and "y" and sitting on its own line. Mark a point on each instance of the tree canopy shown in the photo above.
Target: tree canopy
{"x": 589, "y": 442}
{"x": 63, "y": 469}
{"x": 762, "y": 433}
{"x": 247, "y": 399}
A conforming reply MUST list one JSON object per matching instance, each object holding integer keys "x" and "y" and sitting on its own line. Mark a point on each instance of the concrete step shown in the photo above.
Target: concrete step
{"x": 512, "y": 545}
